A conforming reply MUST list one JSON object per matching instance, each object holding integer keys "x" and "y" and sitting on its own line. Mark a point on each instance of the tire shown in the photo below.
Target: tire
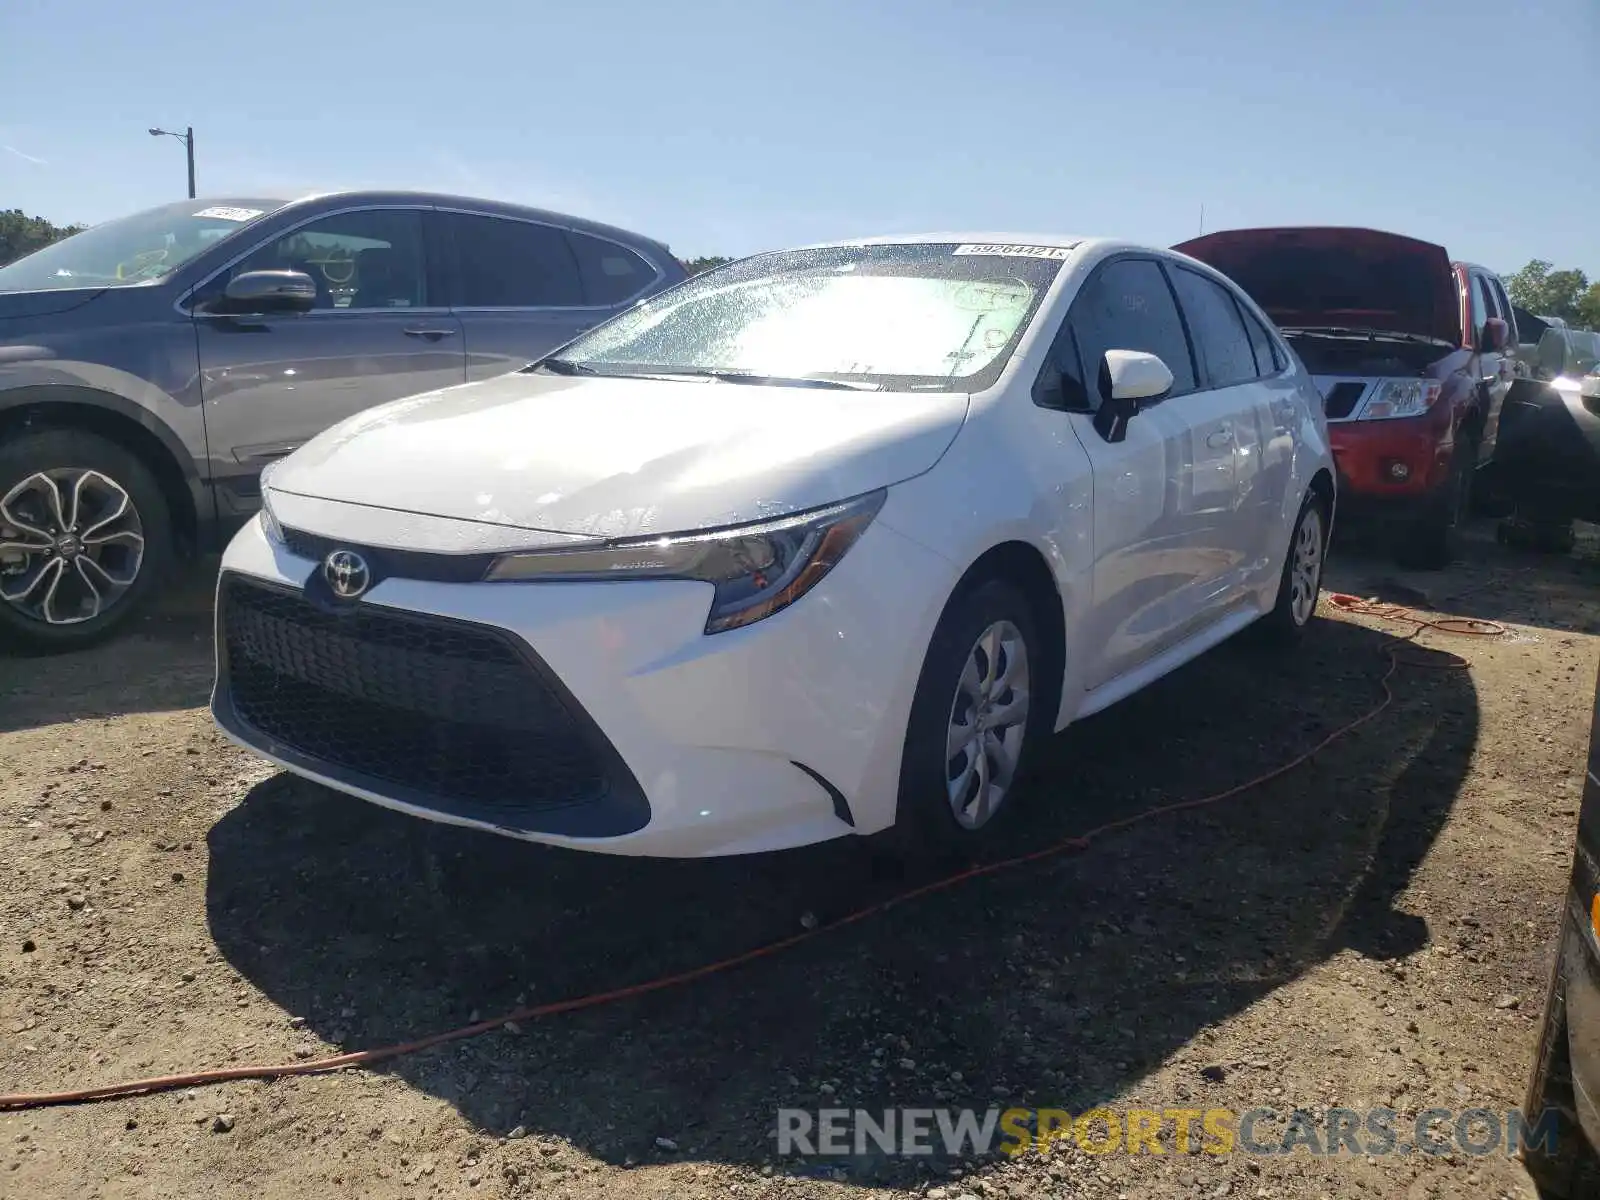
{"x": 1430, "y": 544}
{"x": 926, "y": 826}
{"x": 1286, "y": 624}
{"x": 1570, "y": 1170}
{"x": 100, "y": 582}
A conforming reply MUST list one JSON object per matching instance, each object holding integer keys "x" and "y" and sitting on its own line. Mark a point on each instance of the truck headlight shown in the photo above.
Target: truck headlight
{"x": 269, "y": 519}
{"x": 756, "y": 570}
{"x": 1398, "y": 398}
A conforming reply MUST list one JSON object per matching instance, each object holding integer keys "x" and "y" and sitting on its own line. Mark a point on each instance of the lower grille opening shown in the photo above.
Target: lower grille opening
{"x": 454, "y": 716}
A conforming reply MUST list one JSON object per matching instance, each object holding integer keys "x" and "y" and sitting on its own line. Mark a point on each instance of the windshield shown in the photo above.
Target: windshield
{"x": 892, "y": 317}
{"x": 1585, "y": 352}
{"x": 136, "y": 249}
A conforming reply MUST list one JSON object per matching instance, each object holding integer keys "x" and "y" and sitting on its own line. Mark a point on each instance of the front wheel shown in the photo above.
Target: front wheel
{"x": 85, "y": 536}
{"x": 1430, "y": 545}
{"x": 980, "y": 709}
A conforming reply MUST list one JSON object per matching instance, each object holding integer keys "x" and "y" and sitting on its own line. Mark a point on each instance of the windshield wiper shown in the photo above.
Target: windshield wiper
{"x": 749, "y": 377}
{"x": 1388, "y": 335}
{"x": 563, "y": 366}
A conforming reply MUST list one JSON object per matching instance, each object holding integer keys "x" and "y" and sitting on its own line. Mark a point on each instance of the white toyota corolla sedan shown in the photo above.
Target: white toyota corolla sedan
{"x": 821, "y": 543}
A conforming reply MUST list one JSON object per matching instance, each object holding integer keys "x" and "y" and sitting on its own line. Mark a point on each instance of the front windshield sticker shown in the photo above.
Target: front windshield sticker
{"x": 1052, "y": 252}
{"x": 224, "y": 213}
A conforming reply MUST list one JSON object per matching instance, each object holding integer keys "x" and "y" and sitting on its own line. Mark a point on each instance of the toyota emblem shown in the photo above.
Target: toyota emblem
{"x": 347, "y": 574}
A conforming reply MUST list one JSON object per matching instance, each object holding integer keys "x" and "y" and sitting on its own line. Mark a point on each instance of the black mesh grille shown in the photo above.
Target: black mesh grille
{"x": 454, "y": 712}
{"x": 1342, "y": 399}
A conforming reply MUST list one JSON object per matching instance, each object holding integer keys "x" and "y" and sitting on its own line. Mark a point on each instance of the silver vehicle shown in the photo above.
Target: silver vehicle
{"x": 151, "y": 366}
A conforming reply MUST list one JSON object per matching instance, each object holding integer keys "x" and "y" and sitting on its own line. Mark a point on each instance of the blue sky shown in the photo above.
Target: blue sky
{"x": 727, "y": 128}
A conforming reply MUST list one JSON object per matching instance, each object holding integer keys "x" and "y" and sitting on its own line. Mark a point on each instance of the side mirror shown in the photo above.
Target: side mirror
{"x": 1128, "y": 378}
{"x": 1495, "y": 334}
{"x": 269, "y": 291}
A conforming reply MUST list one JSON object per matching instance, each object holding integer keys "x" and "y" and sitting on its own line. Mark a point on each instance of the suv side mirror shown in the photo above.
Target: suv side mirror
{"x": 1495, "y": 334}
{"x": 269, "y": 291}
{"x": 1128, "y": 378}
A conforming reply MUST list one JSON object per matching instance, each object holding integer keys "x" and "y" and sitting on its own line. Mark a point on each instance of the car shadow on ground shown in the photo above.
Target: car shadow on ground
{"x": 1057, "y": 983}
{"x": 160, "y": 663}
{"x": 1487, "y": 581}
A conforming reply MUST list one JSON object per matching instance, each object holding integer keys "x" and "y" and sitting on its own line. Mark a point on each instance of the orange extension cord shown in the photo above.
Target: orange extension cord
{"x": 358, "y": 1058}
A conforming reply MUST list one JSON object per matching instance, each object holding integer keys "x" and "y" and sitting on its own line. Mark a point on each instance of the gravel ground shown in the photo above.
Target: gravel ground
{"x": 1371, "y": 929}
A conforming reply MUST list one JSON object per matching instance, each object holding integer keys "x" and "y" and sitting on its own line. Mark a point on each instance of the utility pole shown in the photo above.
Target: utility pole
{"x": 187, "y": 138}
{"x": 1202, "y": 213}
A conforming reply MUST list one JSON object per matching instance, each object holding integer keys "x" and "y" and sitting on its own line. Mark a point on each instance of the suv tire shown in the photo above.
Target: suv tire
{"x": 1430, "y": 544}
{"x": 104, "y": 549}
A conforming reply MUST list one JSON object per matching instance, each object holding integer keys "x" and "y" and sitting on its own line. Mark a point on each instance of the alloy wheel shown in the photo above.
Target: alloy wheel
{"x": 988, "y": 725}
{"x": 71, "y": 545}
{"x": 1305, "y": 573}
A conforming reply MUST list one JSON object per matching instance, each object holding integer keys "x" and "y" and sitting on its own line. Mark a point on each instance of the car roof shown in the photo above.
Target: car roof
{"x": 481, "y": 204}
{"x": 986, "y": 237}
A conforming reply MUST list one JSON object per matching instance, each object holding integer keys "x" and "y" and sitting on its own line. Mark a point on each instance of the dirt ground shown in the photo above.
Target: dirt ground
{"x": 1374, "y": 928}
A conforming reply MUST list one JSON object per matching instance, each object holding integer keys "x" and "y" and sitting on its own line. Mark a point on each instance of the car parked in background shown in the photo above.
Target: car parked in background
{"x": 1530, "y": 328}
{"x": 1411, "y": 351}
{"x": 151, "y": 366}
{"x": 820, "y": 543}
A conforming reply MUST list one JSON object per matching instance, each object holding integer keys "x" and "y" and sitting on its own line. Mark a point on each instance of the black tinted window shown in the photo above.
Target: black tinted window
{"x": 370, "y": 259}
{"x": 1219, "y": 335}
{"x": 1268, "y": 360}
{"x": 1486, "y": 298}
{"x": 1128, "y": 306}
{"x": 502, "y": 263}
{"x": 610, "y": 273}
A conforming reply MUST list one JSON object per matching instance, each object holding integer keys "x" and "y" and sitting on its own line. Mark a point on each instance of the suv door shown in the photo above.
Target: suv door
{"x": 523, "y": 288}
{"x": 376, "y": 333}
{"x": 1164, "y": 496}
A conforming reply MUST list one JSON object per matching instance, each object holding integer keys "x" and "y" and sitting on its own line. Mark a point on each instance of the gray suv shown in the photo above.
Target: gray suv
{"x": 151, "y": 366}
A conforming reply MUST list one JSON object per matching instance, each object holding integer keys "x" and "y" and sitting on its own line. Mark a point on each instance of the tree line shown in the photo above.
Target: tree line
{"x": 1537, "y": 287}
{"x": 21, "y": 234}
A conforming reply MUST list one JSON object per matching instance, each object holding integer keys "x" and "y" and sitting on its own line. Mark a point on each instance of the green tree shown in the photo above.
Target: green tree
{"x": 1589, "y": 307}
{"x": 21, "y": 234}
{"x": 695, "y": 265}
{"x": 1544, "y": 291}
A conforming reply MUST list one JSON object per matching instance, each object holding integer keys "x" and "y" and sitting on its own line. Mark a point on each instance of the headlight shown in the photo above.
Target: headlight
{"x": 1398, "y": 398}
{"x": 756, "y": 570}
{"x": 269, "y": 519}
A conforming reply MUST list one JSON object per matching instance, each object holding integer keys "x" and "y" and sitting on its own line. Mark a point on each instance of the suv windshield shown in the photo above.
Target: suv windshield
{"x": 140, "y": 248}
{"x": 890, "y": 317}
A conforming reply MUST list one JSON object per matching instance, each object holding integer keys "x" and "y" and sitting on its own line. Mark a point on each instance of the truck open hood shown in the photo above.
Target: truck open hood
{"x": 1338, "y": 276}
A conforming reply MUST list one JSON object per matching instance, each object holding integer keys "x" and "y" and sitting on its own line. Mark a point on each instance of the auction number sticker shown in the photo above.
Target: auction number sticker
{"x": 224, "y": 213}
{"x": 1054, "y": 252}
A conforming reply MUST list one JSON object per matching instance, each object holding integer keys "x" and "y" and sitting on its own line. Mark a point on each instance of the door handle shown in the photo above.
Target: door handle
{"x": 1219, "y": 438}
{"x": 433, "y": 335}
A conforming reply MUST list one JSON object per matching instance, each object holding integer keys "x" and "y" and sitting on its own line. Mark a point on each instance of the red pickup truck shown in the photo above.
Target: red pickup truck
{"x": 1412, "y": 354}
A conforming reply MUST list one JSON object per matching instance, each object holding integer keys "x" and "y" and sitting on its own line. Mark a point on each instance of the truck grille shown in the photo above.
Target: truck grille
{"x": 454, "y": 716}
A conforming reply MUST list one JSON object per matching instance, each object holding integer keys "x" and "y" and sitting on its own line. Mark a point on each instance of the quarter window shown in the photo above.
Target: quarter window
{"x": 365, "y": 259}
{"x": 1269, "y": 360}
{"x": 1127, "y": 305}
{"x": 1219, "y": 334}
{"x": 611, "y": 273}
{"x": 513, "y": 264}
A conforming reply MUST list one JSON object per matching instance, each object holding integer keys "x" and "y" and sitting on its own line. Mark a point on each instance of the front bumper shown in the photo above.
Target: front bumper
{"x": 781, "y": 734}
{"x": 1365, "y": 453}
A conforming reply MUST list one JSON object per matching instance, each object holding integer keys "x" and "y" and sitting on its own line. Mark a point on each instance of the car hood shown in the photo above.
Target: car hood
{"x": 616, "y": 457}
{"x": 1336, "y": 276}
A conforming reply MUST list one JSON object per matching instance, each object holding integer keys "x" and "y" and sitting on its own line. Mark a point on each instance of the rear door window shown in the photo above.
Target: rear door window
{"x": 1221, "y": 341}
{"x": 503, "y": 263}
